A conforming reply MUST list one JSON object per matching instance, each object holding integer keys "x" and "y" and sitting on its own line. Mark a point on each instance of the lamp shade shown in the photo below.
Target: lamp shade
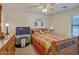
{"x": 7, "y": 24}
{"x": 51, "y": 28}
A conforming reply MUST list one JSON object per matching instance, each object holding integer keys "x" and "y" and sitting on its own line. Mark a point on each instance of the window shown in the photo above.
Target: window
{"x": 75, "y": 26}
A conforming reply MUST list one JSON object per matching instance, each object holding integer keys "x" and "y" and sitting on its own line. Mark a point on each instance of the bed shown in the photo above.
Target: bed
{"x": 54, "y": 44}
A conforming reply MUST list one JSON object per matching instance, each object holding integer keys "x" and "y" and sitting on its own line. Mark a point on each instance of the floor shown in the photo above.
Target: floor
{"x": 28, "y": 50}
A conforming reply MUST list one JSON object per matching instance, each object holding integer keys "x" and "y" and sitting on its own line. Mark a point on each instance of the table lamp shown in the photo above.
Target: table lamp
{"x": 51, "y": 28}
{"x": 7, "y": 25}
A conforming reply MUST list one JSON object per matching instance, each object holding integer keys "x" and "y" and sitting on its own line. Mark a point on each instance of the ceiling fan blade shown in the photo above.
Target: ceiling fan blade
{"x": 40, "y": 6}
{"x": 37, "y": 5}
{"x": 51, "y": 9}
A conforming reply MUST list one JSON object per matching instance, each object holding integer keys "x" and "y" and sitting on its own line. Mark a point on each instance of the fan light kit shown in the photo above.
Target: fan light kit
{"x": 44, "y": 10}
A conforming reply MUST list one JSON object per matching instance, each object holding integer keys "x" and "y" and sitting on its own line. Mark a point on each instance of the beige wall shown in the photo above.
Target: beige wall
{"x": 62, "y": 21}
{"x": 16, "y": 18}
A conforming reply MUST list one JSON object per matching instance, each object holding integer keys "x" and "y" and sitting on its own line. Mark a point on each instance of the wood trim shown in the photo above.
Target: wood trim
{"x": 0, "y": 8}
{"x": 53, "y": 48}
{"x": 0, "y": 21}
{"x": 78, "y": 45}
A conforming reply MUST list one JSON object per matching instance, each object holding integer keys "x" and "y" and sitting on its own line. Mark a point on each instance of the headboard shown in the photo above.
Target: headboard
{"x": 38, "y": 30}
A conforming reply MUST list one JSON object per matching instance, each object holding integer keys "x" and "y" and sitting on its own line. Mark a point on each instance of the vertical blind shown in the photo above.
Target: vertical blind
{"x": 75, "y": 25}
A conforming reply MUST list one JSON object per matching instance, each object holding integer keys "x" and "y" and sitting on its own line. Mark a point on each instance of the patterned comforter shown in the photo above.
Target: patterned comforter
{"x": 42, "y": 42}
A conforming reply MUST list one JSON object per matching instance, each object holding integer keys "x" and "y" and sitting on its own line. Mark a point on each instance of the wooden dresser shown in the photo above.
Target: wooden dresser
{"x": 0, "y": 18}
{"x": 7, "y": 45}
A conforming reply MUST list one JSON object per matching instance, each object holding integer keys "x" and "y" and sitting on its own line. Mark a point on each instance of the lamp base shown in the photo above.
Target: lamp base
{"x": 6, "y": 33}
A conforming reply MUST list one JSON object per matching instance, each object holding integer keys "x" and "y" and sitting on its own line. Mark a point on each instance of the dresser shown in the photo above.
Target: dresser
{"x": 7, "y": 45}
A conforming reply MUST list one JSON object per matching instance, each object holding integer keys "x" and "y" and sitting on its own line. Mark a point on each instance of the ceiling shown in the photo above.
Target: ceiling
{"x": 53, "y": 8}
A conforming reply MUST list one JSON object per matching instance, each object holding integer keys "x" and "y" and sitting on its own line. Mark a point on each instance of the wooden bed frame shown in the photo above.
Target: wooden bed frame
{"x": 65, "y": 47}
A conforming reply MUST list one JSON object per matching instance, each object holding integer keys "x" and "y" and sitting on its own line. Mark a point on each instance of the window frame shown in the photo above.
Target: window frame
{"x": 73, "y": 25}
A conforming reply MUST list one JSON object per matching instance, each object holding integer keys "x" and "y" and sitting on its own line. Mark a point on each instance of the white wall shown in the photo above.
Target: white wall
{"x": 62, "y": 21}
{"x": 15, "y": 18}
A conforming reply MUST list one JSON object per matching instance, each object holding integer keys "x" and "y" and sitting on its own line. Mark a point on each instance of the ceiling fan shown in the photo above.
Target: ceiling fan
{"x": 44, "y": 7}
